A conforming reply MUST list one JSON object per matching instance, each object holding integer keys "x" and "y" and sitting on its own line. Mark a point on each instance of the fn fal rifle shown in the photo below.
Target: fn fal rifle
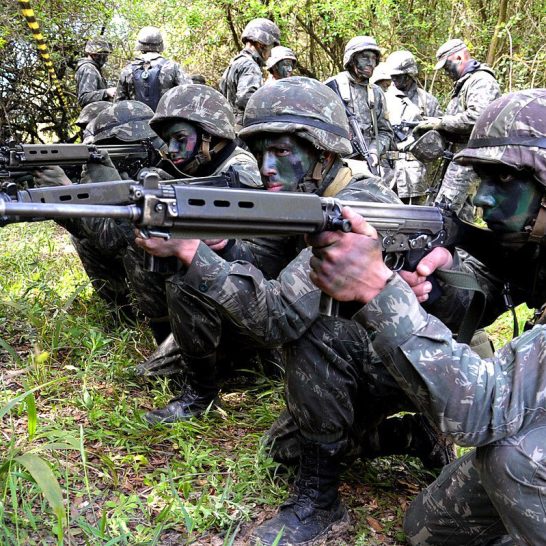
{"x": 20, "y": 160}
{"x": 360, "y": 146}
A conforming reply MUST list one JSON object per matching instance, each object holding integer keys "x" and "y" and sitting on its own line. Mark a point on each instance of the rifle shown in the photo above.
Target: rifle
{"x": 19, "y": 160}
{"x": 360, "y": 146}
{"x": 192, "y": 209}
{"x": 402, "y": 130}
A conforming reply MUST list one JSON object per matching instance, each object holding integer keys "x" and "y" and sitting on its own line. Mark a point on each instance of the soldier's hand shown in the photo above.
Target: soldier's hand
{"x": 52, "y": 175}
{"x": 110, "y": 93}
{"x": 183, "y": 249}
{"x": 349, "y": 266}
{"x": 216, "y": 244}
{"x": 428, "y": 124}
{"x": 437, "y": 258}
{"x": 374, "y": 160}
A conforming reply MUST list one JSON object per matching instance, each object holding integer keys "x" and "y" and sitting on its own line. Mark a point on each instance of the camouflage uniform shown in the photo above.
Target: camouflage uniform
{"x": 170, "y": 73}
{"x": 366, "y": 100}
{"x": 495, "y": 404}
{"x": 409, "y": 175}
{"x": 90, "y": 83}
{"x": 262, "y": 312}
{"x": 475, "y": 89}
{"x": 102, "y": 243}
{"x": 243, "y": 76}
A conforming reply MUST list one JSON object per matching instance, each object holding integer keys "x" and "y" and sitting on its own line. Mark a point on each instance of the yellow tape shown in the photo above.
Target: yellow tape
{"x": 28, "y": 14}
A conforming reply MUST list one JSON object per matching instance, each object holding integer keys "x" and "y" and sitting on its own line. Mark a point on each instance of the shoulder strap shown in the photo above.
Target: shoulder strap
{"x": 341, "y": 181}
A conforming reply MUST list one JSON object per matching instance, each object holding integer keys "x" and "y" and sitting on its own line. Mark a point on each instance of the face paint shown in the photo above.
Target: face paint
{"x": 402, "y": 81}
{"x": 100, "y": 58}
{"x": 181, "y": 138}
{"x": 510, "y": 199}
{"x": 363, "y": 64}
{"x": 264, "y": 51}
{"x": 283, "y": 161}
{"x": 283, "y": 69}
{"x": 452, "y": 69}
{"x": 384, "y": 84}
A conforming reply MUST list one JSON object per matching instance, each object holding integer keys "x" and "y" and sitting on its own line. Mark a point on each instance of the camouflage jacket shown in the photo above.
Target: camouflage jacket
{"x": 276, "y": 311}
{"x": 240, "y": 80}
{"x": 356, "y": 96}
{"x": 475, "y": 401}
{"x": 90, "y": 83}
{"x": 171, "y": 75}
{"x": 471, "y": 94}
{"x": 410, "y": 177}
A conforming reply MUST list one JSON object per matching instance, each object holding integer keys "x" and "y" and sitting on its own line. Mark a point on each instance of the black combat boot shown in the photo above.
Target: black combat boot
{"x": 315, "y": 513}
{"x": 197, "y": 393}
{"x": 409, "y": 435}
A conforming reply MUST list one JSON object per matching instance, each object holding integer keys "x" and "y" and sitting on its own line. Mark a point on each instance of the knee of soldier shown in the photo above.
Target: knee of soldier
{"x": 510, "y": 466}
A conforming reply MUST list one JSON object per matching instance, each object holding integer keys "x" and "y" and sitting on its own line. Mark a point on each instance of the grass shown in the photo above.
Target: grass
{"x": 78, "y": 466}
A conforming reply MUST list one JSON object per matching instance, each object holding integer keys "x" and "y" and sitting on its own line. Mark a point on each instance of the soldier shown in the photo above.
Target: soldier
{"x": 281, "y": 64}
{"x": 475, "y": 87}
{"x": 243, "y": 76}
{"x": 407, "y": 102}
{"x": 90, "y": 83}
{"x": 362, "y": 54}
{"x": 150, "y": 76}
{"x": 381, "y": 77}
{"x": 297, "y": 128}
{"x": 494, "y": 494}
{"x": 87, "y": 115}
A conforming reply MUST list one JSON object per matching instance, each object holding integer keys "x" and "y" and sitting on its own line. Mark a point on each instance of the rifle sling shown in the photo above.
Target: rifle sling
{"x": 474, "y": 312}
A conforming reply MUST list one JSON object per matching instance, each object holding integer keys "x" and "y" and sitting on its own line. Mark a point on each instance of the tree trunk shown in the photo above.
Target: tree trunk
{"x": 501, "y": 21}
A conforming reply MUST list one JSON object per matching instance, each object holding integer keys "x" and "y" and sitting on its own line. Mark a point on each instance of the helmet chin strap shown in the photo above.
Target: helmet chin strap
{"x": 539, "y": 227}
{"x": 204, "y": 154}
{"x": 311, "y": 182}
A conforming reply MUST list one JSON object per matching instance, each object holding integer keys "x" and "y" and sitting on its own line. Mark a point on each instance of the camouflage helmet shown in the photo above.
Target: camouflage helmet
{"x": 125, "y": 120}
{"x": 357, "y": 44}
{"x": 149, "y": 39}
{"x": 261, "y": 30}
{"x": 448, "y": 48}
{"x": 91, "y": 111}
{"x": 97, "y": 45}
{"x": 402, "y": 62}
{"x": 302, "y": 106}
{"x": 380, "y": 73}
{"x": 199, "y": 104}
{"x": 278, "y": 54}
{"x": 511, "y": 131}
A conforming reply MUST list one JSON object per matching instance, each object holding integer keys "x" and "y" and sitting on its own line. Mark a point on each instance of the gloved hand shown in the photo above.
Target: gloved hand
{"x": 428, "y": 124}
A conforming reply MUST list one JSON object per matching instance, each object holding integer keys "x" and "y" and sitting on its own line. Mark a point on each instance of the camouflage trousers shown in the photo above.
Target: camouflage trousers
{"x": 211, "y": 345}
{"x": 492, "y": 495}
{"x": 106, "y": 272}
{"x": 459, "y": 186}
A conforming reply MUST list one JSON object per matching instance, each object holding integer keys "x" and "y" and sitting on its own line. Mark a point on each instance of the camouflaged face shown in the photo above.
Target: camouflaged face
{"x": 263, "y": 31}
{"x": 149, "y": 39}
{"x": 126, "y": 120}
{"x": 91, "y": 111}
{"x": 299, "y": 98}
{"x": 360, "y": 43}
{"x": 401, "y": 62}
{"x": 98, "y": 45}
{"x": 199, "y": 104}
{"x": 278, "y": 54}
{"x": 515, "y": 115}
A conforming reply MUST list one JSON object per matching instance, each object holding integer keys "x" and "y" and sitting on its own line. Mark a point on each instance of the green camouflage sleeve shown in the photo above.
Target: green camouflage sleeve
{"x": 473, "y": 400}
{"x": 250, "y": 80}
{"x": 482, "y": 90}
{"x": 122, "y": 90}
{"x": 273, "y": 311}
{"x": 91, "y": 87}
{"x": 384, "y": 130}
